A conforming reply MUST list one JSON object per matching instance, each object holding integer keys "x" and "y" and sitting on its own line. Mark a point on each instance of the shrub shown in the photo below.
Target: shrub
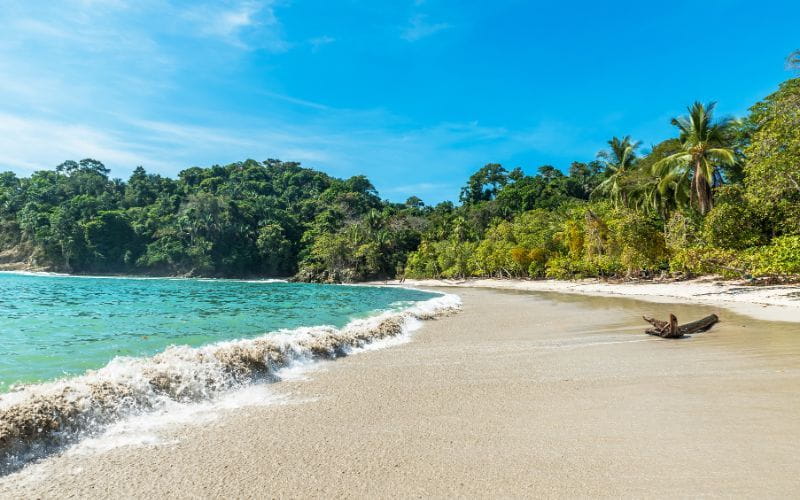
{"x": 538, "y": 257}
{"x": 562, "y": 267}
{"x": 422, "y": 263}
{"x": 707, "y": 260}
{"x": 781, "y": 257}
{"x": 732, "y": 225}
{"x": 602, "y": 265}
{"x": 681, "y": 231}
{"x": 454, "y": 258}
{"x": 638, "y": 240}
{"x": 522, "y": 259}
{"x": 493, "y": 256}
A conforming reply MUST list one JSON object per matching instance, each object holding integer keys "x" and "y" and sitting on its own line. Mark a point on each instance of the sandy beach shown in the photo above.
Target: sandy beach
{"x": 771, "y": 302}
{"x": 518, "y": 395}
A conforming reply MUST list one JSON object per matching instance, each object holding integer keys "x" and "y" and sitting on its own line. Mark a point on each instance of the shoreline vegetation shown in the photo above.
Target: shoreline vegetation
{"x": 721, "y": 198}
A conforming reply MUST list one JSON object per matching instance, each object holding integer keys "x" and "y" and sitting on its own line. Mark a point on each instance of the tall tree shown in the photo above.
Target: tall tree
{"x": 618, "y": 161}
{"x": 703, "y": 151}
{"x": 772, "y": 171}
{"x": 646, "y": 191}
{"x": 484, "y": 184}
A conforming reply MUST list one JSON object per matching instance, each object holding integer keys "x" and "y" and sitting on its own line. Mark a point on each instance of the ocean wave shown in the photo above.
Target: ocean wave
{"x": 38, "y": 418}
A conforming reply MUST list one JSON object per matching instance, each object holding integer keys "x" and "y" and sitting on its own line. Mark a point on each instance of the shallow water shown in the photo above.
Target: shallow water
{"x": 55, "y": 326}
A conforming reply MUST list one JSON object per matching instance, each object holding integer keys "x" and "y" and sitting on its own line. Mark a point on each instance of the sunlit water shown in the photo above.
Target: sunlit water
{"x": 54, "y": 326}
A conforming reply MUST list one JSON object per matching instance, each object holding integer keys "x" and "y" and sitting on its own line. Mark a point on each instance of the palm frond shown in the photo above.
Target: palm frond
{"x": 704, "y": 149}
{"x": 662, "y": 166}
{"x": 682, "y": 124}
{"x": 722, "y": 156}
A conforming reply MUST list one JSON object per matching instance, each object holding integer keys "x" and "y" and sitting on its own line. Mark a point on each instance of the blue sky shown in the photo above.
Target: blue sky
{"x": 416, "y": 94}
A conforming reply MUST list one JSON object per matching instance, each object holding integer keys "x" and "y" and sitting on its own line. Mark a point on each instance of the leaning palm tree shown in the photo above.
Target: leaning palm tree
{"x": 703, "y": 151}
{"x": 618, "y": 161}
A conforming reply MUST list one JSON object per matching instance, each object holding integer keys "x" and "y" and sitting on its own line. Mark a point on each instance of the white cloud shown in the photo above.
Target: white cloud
{"x": 124, "y": 26}
{"x": 419, "y": 27}
{"x": 109, "y": 80}
{"x": 34, "y": 144}
{"x": 246, "y": 24}
{"x": 331, "y": 143}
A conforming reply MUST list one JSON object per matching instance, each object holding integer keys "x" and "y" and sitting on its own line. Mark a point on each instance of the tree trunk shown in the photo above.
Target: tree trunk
{"x": 671, "y": 330}
{"x": 702, "y": 188}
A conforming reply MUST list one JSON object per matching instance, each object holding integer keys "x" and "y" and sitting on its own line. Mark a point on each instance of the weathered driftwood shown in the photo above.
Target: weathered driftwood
{"x": 671, "y": 330}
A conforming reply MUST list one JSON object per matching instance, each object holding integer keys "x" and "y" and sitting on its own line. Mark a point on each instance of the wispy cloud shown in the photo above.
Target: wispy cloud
{"x": 389, "y": 157}
{"x": 159, "y": 83}
{"x": 36, "y": 143}
{"x": 420, "y": 27}
{"x": 320, "y": 41}
{"x": 68, "y": 57}
{"x": 100, "y": 26}
{"x": 293, "y": 100}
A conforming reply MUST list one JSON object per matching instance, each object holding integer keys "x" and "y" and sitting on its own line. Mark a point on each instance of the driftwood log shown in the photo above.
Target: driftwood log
{"x": 671, "y": 330}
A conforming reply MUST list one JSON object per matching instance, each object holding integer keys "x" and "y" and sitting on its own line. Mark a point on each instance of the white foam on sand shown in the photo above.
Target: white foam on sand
{"x": 152, "y": 429}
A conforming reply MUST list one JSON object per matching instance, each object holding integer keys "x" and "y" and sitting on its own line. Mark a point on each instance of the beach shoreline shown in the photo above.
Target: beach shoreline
{"x": 40, "y": 416}
{"x": 770, "y": 303}
{"x": 520, "y": 394}
{"x": 765, "y": 302}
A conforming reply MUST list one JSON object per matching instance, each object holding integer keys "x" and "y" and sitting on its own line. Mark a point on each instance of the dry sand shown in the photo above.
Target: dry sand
{"x": 519, "y": 395}
{"x": 768, "y": 302}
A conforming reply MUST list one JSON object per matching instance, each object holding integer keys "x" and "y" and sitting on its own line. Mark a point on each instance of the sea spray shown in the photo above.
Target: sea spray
{"x": 37, "y": 418}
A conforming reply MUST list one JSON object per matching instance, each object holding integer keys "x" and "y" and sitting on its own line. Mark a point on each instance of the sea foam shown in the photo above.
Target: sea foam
{"x": 38, "y": 418}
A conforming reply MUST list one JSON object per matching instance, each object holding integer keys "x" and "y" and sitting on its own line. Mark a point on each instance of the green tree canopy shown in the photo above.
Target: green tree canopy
{"x": 484, "y": 184}
{"x": 703, "y": 150}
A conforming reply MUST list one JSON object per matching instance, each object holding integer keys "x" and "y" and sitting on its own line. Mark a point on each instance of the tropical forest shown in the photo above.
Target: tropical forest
{"x": 720, "y": 197}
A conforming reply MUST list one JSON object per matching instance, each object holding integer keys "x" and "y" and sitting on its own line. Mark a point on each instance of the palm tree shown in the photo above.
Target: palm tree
{"x": 618, "y": 161}
{"x": 702, "y": 152}
{"x": 656, "y": 196}
{"x": 793, "y": 61}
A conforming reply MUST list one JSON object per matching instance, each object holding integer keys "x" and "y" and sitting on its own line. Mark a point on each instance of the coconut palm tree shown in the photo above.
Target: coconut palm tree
{"x": 652, "y": 195}
{"x": 703, "y": 151}
{"x": 618, "y": 161}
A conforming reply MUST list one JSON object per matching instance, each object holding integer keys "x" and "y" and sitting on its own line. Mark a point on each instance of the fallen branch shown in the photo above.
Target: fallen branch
{"x": 741, "y": 272}
{"x": 671, "y": 330}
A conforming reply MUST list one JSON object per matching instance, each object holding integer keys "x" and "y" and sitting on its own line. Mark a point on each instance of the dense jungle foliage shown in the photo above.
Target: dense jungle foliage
{"x": 722, "y": 197}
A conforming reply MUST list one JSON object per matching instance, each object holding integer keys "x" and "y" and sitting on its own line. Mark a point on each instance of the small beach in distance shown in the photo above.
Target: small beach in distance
{"x": 519, "y": 394}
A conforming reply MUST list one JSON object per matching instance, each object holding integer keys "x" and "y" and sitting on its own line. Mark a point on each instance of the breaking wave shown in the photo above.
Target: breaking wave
{"x": 39, "y": 418}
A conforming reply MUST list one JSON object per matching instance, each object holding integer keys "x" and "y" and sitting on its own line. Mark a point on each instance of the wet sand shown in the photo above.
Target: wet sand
{"x": 518, "y": 395}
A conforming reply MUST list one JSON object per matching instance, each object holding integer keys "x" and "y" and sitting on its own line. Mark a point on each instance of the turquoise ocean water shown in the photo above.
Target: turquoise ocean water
{"x": 56, "y": 326}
